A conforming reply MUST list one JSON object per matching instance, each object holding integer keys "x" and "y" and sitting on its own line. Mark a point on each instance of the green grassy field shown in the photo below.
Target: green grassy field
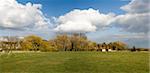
{"x": 75, "y": 62}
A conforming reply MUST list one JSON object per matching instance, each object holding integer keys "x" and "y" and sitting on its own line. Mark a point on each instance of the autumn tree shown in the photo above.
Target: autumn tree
{"x": 79, "y": 42}
{"x": 62, "y": 42}
{"x": 92, "y": 46}
{"x": 36, "y": 43}
{"x": 32, "y": 43}
{"x": 26, "y": 45}
{"x": 82, "y": 43}
{"x": 65, "y": 42}
{"x": 73, "y": 42}
{"x": 119, "y": 45}
{"x": 46, "y": 46}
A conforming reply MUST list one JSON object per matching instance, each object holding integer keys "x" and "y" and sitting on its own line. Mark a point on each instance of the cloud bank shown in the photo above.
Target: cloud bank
{"x": 14, "y": 15}
{"x": 137, "y": 6}
{"x": 136, "y": 19}
{"x": 135, "y": 23}
{"x": 83, "y": 21}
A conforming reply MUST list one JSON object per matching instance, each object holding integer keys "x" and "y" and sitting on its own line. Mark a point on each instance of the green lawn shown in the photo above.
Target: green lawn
{"x": 75, "y": 62}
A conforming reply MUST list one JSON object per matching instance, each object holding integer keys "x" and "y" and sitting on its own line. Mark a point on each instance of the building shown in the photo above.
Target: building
{"x": 10, "y": 43}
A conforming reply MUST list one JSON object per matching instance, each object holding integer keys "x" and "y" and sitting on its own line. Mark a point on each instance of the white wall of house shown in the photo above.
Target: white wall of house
{"x": 109, "y": 50}
{"x": 103, "y": 50}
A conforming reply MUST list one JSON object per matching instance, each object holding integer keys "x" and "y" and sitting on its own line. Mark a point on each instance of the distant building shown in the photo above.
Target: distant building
{"x": 109, "y": 49}
{"x": 7, "y": 43}
{"x": 103, "y": 50}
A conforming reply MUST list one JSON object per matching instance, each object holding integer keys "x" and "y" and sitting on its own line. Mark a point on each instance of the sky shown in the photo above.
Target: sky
{"x": 101, "y": 20}
{"x": 60, "y": 7}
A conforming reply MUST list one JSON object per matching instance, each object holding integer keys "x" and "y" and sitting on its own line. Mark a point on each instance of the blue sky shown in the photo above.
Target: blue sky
{"x": 130, "y": 23}
{"x": 60, "y": 7}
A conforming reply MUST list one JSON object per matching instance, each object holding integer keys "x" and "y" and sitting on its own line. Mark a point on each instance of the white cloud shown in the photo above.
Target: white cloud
{"x": 131, "y": 36}
{"x": 137, "y": 6}
{"x": 14, "y": 15}
{"x": 136, "y": 19}
{"x": 83, "y": 21}
{"x": 138, "y": 23}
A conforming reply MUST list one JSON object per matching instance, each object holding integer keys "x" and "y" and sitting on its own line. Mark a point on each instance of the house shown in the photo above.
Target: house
{"x": 10, "y": 43}
{"x": 109, "y": 49}
{"x": 104, "y": 48}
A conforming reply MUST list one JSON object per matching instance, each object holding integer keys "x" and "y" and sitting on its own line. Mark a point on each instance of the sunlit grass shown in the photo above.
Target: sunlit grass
{"x": 75, "y": 62}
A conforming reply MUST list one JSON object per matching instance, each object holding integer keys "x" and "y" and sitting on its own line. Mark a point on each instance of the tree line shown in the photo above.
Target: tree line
{"x": 63, "y": 42}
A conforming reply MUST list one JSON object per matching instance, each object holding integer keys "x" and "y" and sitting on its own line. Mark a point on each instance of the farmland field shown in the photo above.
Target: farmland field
{"x": 75, "y": 62}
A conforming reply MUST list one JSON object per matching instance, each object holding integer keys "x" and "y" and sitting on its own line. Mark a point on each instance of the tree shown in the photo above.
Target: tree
{"x": 26, "y": 45}
{"x": 82, "y": 43}
{"x": 133, "y": 49}
{"x": 92, "y": 46}
{"x": 46, "y": 46}
{"x": 32, "y": 42}
{"x": 36, "y": 43}
{"x": 74, "y": 42}
{"x": 62, "y": 42}
{"x": 79, "y": 42}
{"x": 119, "y": 45}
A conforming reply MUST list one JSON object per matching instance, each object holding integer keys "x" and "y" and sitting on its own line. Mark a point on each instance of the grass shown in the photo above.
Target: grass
{"x": 75, "y": 62}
